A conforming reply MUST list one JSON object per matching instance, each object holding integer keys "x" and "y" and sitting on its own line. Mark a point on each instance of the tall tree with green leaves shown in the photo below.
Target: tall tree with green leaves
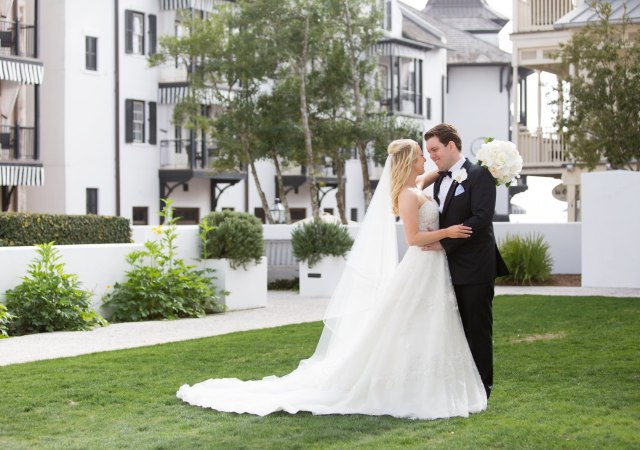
{"x": 358, "y": 23}
{"x": 601, "y": 118}
{"x": 229, "y": 62}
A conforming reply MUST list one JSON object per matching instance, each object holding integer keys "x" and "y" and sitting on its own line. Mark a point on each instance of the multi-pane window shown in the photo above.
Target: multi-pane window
{"x": 92, "y": 201}
{"x": 91, "y": 53}
{"x": 134, "y": 39}
{"x": 134, "y": 121}
{"x": 138, "y": 122}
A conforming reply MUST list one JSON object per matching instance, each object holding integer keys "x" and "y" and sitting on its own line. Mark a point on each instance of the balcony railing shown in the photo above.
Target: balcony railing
{"x": 543, "y": 147}
{"x": 18, "y": 143}
{"x": 540, "y": 15}
{"x": 17, "y": 39}
{"x": 184, "y": 154}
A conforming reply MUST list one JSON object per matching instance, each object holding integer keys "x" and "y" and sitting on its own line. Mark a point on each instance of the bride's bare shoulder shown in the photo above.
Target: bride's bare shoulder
{"x": 410, "y": 196}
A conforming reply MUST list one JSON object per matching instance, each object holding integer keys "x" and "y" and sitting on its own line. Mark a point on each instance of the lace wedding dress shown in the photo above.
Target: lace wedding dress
{"x": 406, "y": 356}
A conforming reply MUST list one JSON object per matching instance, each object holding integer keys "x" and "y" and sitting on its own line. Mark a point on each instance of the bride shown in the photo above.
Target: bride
{"x": 393, "y": 342}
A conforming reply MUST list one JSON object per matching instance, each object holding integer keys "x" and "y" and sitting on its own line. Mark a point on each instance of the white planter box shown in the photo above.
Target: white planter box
{"x": 321, "y": 279}
{"x": 247, "y": 288}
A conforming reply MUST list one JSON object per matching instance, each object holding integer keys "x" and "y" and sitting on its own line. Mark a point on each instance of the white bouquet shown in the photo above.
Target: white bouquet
{"x": 502, "y": 159}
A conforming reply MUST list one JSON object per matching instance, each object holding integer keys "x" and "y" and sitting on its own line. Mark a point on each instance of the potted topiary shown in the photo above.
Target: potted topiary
{"x": 320, "y": 248}
{"x": 233, "y": 245}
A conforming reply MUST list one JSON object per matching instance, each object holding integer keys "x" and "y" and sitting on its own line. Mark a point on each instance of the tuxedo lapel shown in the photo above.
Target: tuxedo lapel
{"x": 436, "y": 190}
{"x": 452, "y": 189}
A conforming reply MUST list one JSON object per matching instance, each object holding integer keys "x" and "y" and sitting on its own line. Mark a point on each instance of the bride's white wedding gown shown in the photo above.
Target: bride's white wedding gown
{"x": 409, "y": 359}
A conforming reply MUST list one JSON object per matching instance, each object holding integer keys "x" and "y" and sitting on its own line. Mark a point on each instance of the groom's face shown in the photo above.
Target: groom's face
{"x": 444, "y": 156}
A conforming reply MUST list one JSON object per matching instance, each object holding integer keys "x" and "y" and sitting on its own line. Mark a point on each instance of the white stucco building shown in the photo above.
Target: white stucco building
{"x": 108, "y": 144}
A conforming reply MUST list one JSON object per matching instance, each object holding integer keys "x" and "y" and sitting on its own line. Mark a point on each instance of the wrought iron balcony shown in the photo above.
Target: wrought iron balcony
{"x": 18, "y": 144}
{"x": 17, "y": 39}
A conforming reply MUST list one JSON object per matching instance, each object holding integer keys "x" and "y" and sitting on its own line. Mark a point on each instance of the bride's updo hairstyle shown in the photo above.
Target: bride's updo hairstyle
{"x": 403, "y": 154}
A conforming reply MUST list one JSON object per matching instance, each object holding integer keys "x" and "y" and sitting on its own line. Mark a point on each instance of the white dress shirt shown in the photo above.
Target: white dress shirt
{"x": 448, "y": 181}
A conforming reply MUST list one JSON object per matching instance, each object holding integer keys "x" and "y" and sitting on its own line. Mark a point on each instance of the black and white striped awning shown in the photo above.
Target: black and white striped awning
{"x": 21, "y": 71}
{"x": 21, "y": 175}
{"x": 173, "y": 94}
{"x": 201, "y": 5}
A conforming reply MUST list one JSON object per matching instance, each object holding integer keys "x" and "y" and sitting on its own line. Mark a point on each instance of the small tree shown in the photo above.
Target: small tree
{"x": 602, "y": 66}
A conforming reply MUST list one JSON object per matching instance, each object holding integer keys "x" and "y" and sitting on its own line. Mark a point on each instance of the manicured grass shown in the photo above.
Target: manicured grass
{"x": 567, "y": 376}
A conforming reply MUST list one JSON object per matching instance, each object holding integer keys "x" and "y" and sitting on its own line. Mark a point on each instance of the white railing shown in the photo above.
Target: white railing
{"x": 543, "y": 147}
{"x": 540, "y": 15}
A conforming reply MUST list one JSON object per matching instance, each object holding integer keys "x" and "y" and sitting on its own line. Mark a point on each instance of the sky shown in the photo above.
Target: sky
{"x": 537, "y": 201}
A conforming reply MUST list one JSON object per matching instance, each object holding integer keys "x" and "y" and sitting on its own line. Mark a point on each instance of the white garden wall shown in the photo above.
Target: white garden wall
{"x": 610, "y": 238}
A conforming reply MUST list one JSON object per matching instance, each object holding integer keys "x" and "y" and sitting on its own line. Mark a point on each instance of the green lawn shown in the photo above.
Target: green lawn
{"x": 567, "y": 376}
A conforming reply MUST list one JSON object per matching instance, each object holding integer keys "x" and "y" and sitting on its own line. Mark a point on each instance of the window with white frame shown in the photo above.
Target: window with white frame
{"x": 134, "y": 38}
{"x": 134, "y": 121}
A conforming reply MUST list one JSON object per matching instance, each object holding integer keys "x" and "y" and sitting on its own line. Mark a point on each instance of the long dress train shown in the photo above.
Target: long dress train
{"x": 408, "y": 357}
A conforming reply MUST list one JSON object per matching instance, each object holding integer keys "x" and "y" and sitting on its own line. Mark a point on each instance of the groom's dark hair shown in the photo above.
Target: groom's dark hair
{"x": 445, "y": 134}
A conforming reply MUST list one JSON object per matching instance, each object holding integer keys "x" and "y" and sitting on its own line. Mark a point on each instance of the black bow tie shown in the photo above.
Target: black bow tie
{"x": 444, "y": 173}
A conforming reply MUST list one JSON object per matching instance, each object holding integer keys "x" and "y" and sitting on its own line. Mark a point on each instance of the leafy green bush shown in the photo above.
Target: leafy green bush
{"x": 161, "y": 286}
{"x": 317, "y": 239}
{"x": 18, "y": 229}
{"x": 527, "y": 258}
{"x": 48, "y": 299}
{"x": 5, "y": 319}
{"x": 236, "y": 236}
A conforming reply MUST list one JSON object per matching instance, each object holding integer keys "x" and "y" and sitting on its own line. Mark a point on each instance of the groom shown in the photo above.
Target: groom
{"x": 466, "y": 194}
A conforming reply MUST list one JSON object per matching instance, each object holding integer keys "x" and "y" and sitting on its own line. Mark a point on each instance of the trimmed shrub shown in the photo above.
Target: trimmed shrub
{"x": 48, "y": 299}
{"x": 20, "y": 229}
{"x": 314, "y": 240}
{"x": 161, "y": 286}
{"x": 284, "y": 284}
{"x": 527, "y": 258}
{"x": 231, "y": 235}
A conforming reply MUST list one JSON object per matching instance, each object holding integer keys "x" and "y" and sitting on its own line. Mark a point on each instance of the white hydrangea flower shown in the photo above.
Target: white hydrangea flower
{"x": 502, "y": 159}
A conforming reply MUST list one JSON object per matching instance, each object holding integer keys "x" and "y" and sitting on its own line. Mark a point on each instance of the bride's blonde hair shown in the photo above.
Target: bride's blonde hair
{"x": 403, "y": 154}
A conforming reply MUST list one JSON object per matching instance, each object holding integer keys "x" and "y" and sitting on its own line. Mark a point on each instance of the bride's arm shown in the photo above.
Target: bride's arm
{"x": 409, "y": 205}
{"x": 426, "y": 179}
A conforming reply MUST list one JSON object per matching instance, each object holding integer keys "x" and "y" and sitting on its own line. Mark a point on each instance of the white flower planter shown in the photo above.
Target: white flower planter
{"x": 247, "y": 288}
{"x": 321, "y": 279}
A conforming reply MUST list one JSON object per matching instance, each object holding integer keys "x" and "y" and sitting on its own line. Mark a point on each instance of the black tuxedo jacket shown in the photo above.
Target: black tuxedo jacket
{"x": 476, "y": 259}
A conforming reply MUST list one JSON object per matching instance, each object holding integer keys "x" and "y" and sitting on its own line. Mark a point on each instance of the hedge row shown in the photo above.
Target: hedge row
{"x": 18, "y": 229}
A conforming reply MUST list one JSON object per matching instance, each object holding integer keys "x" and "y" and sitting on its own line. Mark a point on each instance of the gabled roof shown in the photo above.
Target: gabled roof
{"x": 462, "y": 47}
{"x": 467, "y": 15}
{"x": 584, "y": 14}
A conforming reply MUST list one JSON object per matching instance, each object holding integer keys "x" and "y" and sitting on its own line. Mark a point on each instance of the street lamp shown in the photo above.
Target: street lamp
{"x": 277, "y": 211}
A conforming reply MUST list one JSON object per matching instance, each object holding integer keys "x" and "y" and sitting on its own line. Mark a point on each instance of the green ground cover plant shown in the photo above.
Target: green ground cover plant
{"x": 566, "y": 377}
{"x": 527, "y": 257}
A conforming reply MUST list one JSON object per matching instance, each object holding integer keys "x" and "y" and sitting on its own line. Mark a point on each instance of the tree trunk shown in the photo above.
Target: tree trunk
{"x": 256, "y": 180}
{"x": 355, "y": 83}
{"x": 302, "y": 72}
{"x": 339, "y": 164}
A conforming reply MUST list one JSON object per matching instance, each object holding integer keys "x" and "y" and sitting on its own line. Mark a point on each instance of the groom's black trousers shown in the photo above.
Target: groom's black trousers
{"x": 474, "y": 304}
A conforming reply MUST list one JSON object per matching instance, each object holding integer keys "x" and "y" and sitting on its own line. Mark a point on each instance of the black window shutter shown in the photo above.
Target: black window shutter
{"x": 128, "y": 120}
{"x": 128, "y": 32}
{"x": 152, "y": 34}
{"x": 152, "y": 123}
